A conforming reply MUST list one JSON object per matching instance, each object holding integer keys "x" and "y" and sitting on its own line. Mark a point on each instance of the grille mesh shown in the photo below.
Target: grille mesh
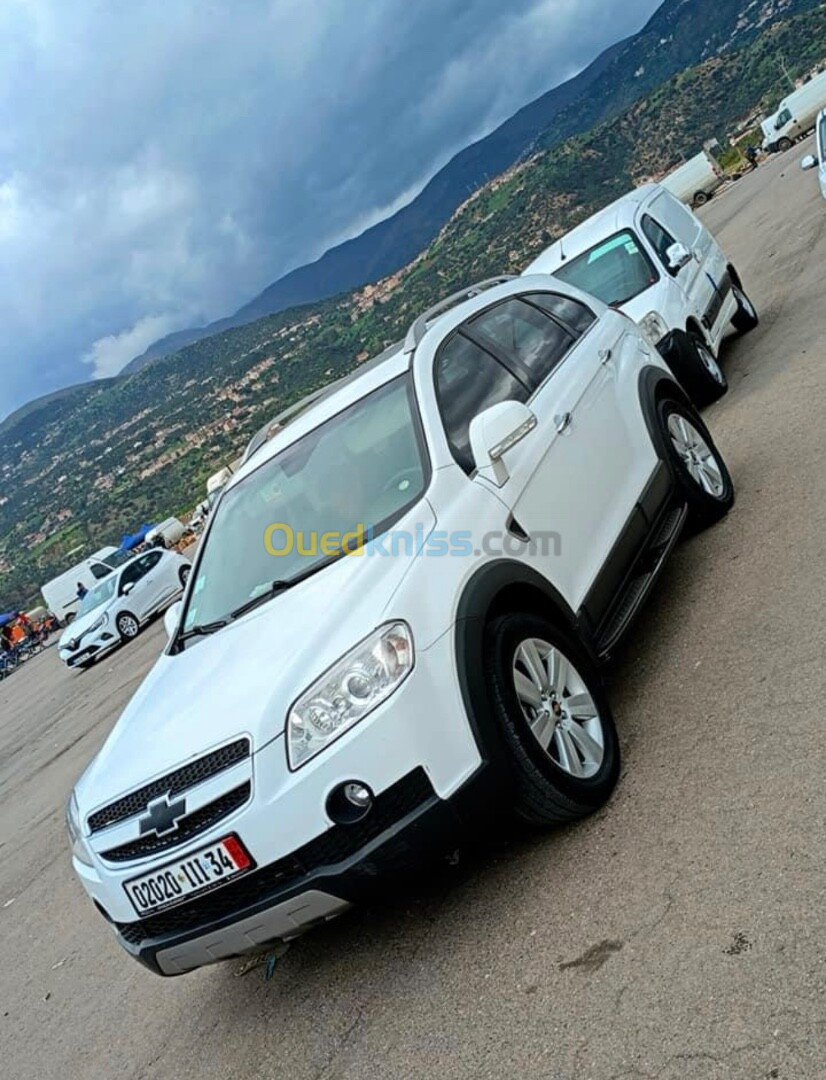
{"x": 335, "y": 845}
{"x": 174, "y": 783}
{"x": 188, "y": 828}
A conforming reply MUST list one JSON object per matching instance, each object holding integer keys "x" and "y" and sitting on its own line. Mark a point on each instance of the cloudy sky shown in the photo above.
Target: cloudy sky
{"x": 161, "y": 161}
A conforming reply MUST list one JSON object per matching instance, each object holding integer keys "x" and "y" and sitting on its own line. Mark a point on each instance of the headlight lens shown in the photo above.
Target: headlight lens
{"x": 98, "y": 623}
{"x": 653, "y": 326}
{"x": 354, "y": 686}
{"x": 79, "y": 849}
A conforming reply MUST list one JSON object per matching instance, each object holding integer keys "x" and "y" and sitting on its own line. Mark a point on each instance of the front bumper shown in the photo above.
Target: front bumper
{"x": 408, "y": 823}
{"x": 88, "y": 648}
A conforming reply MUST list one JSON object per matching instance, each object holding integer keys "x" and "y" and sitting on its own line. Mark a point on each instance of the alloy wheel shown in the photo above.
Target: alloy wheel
{"x": 709, "y": 361}
{"x": 128, "y": 626}
{"x": 696, "y": 455}
{"x": 559, "y": 708}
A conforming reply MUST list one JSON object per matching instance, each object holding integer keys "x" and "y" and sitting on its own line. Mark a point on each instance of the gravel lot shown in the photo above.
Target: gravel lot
{"x": 676, "y": 934}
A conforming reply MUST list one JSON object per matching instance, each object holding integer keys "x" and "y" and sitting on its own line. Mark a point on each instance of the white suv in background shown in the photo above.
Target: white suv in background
{"x": 394, "y": 624}
{"x": 648, "y": 255}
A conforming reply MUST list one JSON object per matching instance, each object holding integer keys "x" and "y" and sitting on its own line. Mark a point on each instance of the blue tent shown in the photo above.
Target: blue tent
{"x": 132, "y": 540}
{"x": 8, "y": 617}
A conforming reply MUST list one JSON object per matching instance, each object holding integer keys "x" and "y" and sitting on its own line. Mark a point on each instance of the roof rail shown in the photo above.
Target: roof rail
{"x": 419, "y": 328}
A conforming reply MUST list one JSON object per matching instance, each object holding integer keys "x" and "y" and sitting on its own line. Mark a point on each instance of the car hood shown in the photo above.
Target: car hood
{"x": 243, "y": 679}
{"x": 82, "y": 623}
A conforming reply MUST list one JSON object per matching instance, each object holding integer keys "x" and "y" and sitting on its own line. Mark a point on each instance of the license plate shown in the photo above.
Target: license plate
{"x": 197, "y": 873}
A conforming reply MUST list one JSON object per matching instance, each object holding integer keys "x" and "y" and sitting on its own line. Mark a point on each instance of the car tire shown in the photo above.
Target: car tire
{"x": 564, "y": 766}
{"x": 183, "y": 575}
{"x": 696, "y": 463}
{"x": 700, "y": 198}
{"x": 784, "y": 144}
{"x": 695, "y": 368}
{"x": 745, "y": 317}
{"x": 127, "y": 626}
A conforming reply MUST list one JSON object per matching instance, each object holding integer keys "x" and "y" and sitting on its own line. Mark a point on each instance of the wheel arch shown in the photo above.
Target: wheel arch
{"x": 655, "y": 384}
{"x": 498, "y": 587}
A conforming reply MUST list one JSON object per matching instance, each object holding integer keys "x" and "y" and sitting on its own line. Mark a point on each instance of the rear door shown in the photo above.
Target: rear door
{"x": 580, "y": 473}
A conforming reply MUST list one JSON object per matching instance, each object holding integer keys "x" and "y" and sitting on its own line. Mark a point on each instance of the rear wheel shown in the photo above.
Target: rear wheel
{"x": 556, "y": 721}
{"x": 745, "y": 317}
{"x": 784, "y": 144}
{"x": 697, "y": 464}
{"x": 128, "y": 626}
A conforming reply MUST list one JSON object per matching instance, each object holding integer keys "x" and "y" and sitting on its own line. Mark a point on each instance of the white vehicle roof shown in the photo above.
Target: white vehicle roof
{"x": 619, "y": 215}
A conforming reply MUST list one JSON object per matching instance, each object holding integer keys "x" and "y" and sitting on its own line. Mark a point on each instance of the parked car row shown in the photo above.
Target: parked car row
{"x": 396, "y": 620}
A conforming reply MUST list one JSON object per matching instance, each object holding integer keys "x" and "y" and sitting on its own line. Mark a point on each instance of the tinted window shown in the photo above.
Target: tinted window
{"x": 136, "y": 570}
{"x": 614, "y": 271}
{"x": 659, "y": 239}
{"x": 99, "y": 570}
{"x": 571, "y": 313}
{"x": 468, "y": 381}
{"x": 523, "y": 337}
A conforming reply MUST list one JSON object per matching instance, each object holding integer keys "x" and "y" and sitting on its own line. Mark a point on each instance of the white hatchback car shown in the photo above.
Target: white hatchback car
{"x": 394, "y": 624}
{"x": 648, "y": 255}
{"x": 116, "y": 607}
{"x": 818, "y": 160}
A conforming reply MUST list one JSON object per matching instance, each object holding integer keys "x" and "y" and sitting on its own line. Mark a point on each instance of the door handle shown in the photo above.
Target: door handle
{"x": 562, "y": 422}
{"x": 606, "y": 356}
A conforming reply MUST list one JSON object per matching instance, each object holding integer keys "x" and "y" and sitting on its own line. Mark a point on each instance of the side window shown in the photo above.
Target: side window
{"x": 679, "y": 221}
{"x": 573, "y": 315}
{"x": 148, "y": 561}
{"x": 468, "y": 381}
{"x": 658, "y": 237}
{"x": 99, "y": 570}
{"x": 526, "y": 339}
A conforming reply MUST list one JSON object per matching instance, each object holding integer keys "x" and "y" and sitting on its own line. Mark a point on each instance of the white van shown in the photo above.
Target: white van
{"x": 169, "y": 531}
{"x": 818, "y": 159}
{"x": 695, "y": 181}
{"x": 797, "y": 114}
{"x": 60, "y": 594}
{"x": 652, "y": 258}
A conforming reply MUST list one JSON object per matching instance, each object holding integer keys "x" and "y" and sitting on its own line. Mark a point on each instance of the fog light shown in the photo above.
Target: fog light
{"x": 349, "y": 802}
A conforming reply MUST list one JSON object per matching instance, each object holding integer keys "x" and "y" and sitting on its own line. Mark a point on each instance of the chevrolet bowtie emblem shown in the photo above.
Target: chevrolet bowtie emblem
{"x": 162, "y": 816}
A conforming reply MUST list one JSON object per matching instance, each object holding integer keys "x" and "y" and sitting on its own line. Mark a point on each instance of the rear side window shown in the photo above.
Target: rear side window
{"x": 99, "y": 570}
{"x": 525, "y": 338}
{"x": 573, "y": 315}
{"x": 468, "y": 381}
{"x": 658, "y": 237}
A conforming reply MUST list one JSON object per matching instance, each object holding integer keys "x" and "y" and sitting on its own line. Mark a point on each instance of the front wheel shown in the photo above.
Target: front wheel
{"x": 548, "y": 697}
{"x": 784, "y": 144}
{"x": 745, "y": 317}
{"x": 128, "y": 626}
{"x": 697, "y": 464}
{"x": 183, "y": 575}
{"x": 695, "y": 367}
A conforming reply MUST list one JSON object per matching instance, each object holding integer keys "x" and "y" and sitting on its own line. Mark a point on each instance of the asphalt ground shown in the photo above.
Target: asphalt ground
{"x": 678, "y": 933}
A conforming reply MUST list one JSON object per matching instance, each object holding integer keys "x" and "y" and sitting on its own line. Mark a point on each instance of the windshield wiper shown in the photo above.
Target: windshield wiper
{"x": 200, "y": 630}
{"x": 278, "y": 586}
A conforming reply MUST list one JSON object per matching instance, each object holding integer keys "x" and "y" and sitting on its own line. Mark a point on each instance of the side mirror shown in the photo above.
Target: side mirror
{"x": 677, "y": 256}
{"x": 809, "y": 162}
{"x": 493, "y": 433}
{"x": 127, "y": 588}
{"x": 171, "y": 617}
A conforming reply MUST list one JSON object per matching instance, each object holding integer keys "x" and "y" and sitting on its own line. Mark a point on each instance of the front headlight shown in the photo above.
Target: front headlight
{"x": 653, "y": 326}
{"x": 79, "y": 849}
{"x": 349, "y": 690}
{"x": 98, "y": 623}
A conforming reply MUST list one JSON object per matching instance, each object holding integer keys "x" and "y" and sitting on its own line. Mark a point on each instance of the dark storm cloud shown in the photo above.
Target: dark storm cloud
{"x": 162, "y": 162}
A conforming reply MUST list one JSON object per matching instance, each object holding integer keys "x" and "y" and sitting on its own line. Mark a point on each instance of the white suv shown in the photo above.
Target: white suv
{"x": 650, "y": 256}
{"x": 395, "y": 622}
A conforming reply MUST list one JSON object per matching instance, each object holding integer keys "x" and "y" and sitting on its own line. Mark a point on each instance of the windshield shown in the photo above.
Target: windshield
{"x": 102, "y": 592}
{"x": 614, "y": 271}
{"x": 311, "y": 503}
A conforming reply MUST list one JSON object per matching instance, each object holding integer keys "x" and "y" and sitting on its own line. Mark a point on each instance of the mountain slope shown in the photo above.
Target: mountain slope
{"x": 679, "y": 34}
